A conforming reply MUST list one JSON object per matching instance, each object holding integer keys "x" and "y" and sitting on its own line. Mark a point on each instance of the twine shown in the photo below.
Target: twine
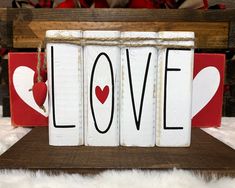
{"x": 122, "y": 41}
{"x": 39, "y": 67}
{"x": 39, "y": 78}
{"x": 102, "y": 39}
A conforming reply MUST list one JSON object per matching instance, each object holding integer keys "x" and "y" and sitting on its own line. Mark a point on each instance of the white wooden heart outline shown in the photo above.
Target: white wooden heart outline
{"x": 205, "y": 85}
{"x": 23, "y": 81}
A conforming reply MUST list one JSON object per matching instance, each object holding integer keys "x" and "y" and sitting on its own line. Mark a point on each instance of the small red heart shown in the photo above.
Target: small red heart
{"x": 102, "y": 94}
{"x": 39, "y": 93}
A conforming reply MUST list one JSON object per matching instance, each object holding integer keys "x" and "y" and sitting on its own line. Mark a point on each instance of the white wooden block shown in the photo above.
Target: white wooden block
{"x": 102, "y": 67}
{"x": 137, "y": 108}
{"x": 65, "y": 76}
{"x": 174, "y": 98}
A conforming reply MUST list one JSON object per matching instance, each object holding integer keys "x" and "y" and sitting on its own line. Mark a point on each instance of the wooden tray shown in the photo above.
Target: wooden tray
{"x": 206, "y": 155}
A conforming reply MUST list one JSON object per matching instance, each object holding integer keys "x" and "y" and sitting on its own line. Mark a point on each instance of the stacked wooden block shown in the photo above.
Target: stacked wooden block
{"x": 134, "y": 94}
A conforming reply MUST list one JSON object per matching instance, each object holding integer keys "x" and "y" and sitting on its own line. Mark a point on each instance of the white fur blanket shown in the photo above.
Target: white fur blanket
{"x": 9, "y": 135}
{"x": 225, "y": 133}
{"x": 112, "y": 179}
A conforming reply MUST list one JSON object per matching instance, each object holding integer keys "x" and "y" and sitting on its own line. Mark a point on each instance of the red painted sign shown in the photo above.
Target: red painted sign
{"x": 208, "y": 89}
{"x": 24, "y": 110}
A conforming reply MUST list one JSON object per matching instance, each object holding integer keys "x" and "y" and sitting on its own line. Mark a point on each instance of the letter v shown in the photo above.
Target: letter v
{"x": 137, "y": 121}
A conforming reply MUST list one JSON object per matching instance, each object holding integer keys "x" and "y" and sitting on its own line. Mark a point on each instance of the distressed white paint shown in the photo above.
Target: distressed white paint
{"x": 174, "y": 98}
{"x": 101, "y": 78}
{"x": 138, "y": 56}
{"x": 67, "y": 72}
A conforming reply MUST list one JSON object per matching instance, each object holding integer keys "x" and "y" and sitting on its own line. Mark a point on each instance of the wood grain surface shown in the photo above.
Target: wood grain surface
{"x": 208, "y": 35}
{"x": 228, "y": 3}
{"x": 99, "y": 16}
{"x": 119, "y": 14}
{"x": 205, "y": 155}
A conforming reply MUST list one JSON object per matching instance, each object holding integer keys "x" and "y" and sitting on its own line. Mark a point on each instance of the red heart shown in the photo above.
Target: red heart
{"x": 39, "y": 93}
{"x": 102, "y": 94}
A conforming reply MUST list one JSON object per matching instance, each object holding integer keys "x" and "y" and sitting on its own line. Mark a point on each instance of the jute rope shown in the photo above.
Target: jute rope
{"x": 39, "y": 78}
{"x": 102, "y": 39}
{"x": 122, "y": 41}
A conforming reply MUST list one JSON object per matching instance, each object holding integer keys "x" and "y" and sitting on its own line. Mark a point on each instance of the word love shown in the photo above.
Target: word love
{"x": 135, "y": 93}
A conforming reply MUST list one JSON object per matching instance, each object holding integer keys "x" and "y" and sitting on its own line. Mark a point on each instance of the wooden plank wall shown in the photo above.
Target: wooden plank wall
{"x": 208, "y": 35}
{"x": 214, "y": 28}
{"x": 123, "y": 15}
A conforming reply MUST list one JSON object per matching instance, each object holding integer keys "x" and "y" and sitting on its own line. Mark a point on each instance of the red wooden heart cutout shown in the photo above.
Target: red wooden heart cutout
{"x": 102, "y": 94}
{"x": 39, "y": 93}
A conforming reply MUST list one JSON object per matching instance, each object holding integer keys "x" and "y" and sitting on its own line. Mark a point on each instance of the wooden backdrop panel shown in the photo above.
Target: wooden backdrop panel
{"x": 208, "y": 34}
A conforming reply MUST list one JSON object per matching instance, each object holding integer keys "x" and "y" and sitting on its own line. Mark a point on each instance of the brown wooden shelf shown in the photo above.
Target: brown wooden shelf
{"x": 205, "y": 155}
{"x": 24, "y": 28}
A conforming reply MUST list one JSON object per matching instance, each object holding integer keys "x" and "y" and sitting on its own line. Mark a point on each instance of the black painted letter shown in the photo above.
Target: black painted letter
{"x": 137, "y": 120}
{"x": 53, "y": 95}
{"x": 165, "y": 91}
{"x": 91, "y": 96}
